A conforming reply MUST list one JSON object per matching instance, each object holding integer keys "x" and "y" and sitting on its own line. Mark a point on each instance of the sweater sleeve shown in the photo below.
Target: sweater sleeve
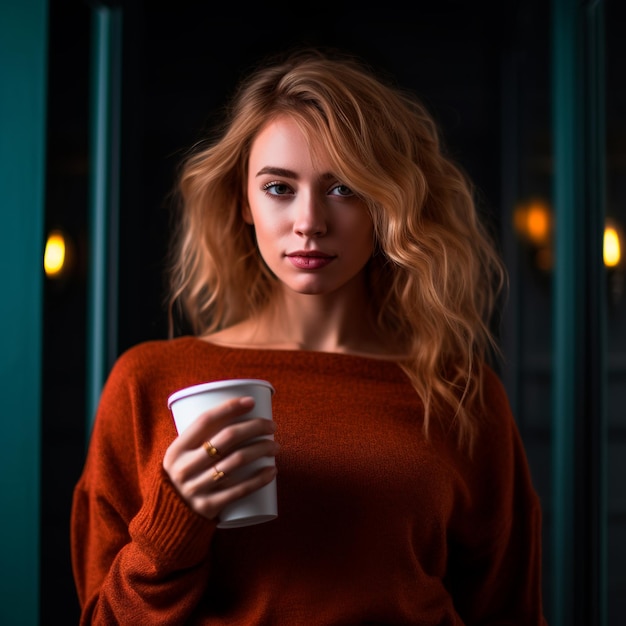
{"x": 495, "y": 543}
{"x": 139, "y": 553}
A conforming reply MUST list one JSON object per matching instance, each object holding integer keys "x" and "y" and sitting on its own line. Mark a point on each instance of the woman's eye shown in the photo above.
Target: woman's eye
{"x": 276, "y": 189}
{"x": 342, "y": 190}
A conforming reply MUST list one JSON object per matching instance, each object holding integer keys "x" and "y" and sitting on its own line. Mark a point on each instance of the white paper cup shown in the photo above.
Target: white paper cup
{"x": 187, "y": 404}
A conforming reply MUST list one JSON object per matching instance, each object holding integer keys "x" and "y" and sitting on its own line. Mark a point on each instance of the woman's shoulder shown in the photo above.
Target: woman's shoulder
{"x": 491, "y": 380}
{"x": 155, "y": 347}
{"x": 498, "y": 417}
{"x": 154, "y": 355}
{"x": 149, "y": 350}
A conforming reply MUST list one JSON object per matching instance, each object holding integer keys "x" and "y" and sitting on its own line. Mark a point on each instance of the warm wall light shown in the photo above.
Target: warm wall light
{"x": 54, "y": 258}
{"x": 533, "y": 221}
{"x": 612, "y": 249}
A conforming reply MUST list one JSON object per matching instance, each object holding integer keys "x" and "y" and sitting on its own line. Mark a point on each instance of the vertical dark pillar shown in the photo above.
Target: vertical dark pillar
{"x": 104, "y": 201}
{"x": 580, "y": 316}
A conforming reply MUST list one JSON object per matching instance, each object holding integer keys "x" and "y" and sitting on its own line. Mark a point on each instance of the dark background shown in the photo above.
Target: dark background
{"x": 179, "y": 64}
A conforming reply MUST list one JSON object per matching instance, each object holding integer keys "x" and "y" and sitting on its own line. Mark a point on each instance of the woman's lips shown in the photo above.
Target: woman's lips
{"x": 310, "y": 260}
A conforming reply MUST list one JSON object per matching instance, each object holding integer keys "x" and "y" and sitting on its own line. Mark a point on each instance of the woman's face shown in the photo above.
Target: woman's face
{"x": 314, "y": 234}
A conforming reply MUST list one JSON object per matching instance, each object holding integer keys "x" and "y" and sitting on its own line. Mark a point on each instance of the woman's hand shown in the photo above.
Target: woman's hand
{"x": 203, "y": 473}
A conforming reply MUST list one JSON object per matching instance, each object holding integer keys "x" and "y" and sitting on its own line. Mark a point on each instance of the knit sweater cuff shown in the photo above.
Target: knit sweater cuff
{"x": 166, "y": 527}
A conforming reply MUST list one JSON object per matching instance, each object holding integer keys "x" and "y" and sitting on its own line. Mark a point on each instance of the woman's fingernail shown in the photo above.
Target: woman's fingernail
{"x": 247, "y": 401}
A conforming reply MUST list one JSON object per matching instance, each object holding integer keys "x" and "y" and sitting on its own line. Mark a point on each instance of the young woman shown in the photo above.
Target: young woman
{"x": 326, "y": 244}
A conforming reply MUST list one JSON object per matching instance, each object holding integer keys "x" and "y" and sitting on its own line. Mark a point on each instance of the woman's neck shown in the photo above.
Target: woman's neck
{"x": 311, "y": 322}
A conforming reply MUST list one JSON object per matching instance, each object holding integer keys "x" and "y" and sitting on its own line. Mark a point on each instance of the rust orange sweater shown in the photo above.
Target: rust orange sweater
{"x": 375, "y": 524}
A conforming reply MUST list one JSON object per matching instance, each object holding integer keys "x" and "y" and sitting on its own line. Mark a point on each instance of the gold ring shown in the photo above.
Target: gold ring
{"x": 217, "y": 474}
{"x": 211, "y": 450}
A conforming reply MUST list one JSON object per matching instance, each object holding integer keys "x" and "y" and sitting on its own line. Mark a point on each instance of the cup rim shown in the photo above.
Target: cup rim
{"x": 217, "y": 384}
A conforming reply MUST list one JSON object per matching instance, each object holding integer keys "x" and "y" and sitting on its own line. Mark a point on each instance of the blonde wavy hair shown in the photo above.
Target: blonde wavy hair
{"x": 435, "y": 276}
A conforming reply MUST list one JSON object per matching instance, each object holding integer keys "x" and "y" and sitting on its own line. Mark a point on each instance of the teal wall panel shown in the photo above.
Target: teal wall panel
{"x": 23, "y": 54}
{"x": 104, "y": 200}
{"x": 579, "y": 448}
{"x": 567, "y": 310}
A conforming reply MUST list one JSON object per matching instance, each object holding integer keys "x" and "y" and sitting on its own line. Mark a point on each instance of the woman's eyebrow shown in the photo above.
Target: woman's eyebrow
{"x": 281, "y": 171}
{"x": 277, "y": 171}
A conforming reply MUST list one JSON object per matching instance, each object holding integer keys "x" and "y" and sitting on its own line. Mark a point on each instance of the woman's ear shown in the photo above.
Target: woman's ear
{"x": 246, "y": 213}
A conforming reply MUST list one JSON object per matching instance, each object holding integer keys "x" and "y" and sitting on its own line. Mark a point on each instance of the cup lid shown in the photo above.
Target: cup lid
{"x": 217, "y": 384}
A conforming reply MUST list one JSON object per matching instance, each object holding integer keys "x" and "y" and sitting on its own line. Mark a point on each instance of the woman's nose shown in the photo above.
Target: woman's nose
{"x": 310, "y": 217}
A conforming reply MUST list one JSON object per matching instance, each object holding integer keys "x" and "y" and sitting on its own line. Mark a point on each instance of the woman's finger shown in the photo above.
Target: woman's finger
{"x": 207, "y": 486}
{"x": 234, "y": 435}
{"x": 211, "y": 421}
{"x": 211, "y": 504}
